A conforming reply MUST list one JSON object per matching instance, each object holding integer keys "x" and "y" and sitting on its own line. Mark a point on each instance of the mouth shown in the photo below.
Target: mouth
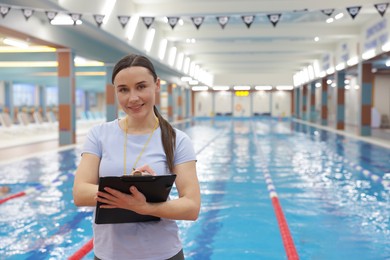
{"x": 136, "y": 107}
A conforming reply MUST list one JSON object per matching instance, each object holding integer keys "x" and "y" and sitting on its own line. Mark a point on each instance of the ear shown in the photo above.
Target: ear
{"x": 158, "y": 85}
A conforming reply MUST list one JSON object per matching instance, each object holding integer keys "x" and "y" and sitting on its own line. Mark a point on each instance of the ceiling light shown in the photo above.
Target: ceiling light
{"x": 132, "y": 27}
{"x": 339, "y": 16}
{"x": 15, "y": 43}
{"x": 186, "y": 78}
{"x": 369, "y": 54}
{"x": 186, "y": 66}
{"x": 329, "y": 20}
{"x": 241, "y": 87}
{"x": 330, "y": 71}
{"x": 316, "y": 39}
{"x": 284, "y": 87}
{"x": 28, "y": 64}
{"x": 352, "y": 61}
{"x": 221, "y": 88}
{"x": 180, "y": 60}
{"x": 386, "y": 47}
{"x": 193, "y": 82}
{"x": 107, "y": 9}
{"x": 149, "y": 39}
{"x": 263, "y": 87}
{"x": 162, "y": 49}
{"x": 200, "y": 88}
{"x": 9, "y": 49}
{"x": 340, "y": 66}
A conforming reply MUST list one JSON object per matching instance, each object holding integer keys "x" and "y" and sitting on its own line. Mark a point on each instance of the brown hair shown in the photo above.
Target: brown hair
{"x": 168, "y": 134}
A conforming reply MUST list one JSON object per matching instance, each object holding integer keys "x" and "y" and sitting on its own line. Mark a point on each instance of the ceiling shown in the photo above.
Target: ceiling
{"x": 262, "y": 54}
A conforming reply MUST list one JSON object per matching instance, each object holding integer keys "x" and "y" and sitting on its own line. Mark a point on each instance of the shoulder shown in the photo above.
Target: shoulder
{"x": 180, "y": 135}
{"x": 103, "y": 128}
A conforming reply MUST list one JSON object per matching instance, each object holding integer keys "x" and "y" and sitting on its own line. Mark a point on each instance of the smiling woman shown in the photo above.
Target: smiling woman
{"x": 156, "y": 148}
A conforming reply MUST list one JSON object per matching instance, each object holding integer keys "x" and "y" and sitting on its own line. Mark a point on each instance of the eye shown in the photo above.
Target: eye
{"x": 123, "y": 90}
{"x": 141, "y": 86}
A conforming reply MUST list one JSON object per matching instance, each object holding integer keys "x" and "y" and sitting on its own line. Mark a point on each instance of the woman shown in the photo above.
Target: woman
{"x": 146, "y": 142}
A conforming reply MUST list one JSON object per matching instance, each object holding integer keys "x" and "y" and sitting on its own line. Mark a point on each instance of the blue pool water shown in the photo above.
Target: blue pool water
{"x": 330, "y": 188}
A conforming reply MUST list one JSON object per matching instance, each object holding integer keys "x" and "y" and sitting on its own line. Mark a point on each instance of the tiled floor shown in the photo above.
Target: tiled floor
{"x": 24, "y": 142}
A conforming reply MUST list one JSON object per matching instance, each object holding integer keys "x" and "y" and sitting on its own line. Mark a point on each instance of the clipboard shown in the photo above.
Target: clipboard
{"x": 155, "y": 189}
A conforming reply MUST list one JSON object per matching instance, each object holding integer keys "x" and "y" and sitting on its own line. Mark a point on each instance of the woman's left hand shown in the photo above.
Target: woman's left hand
{"x": 112, "y": 198}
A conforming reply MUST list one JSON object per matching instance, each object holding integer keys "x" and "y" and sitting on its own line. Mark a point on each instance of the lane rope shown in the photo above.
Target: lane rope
{"x": 285, "y": 233}
{"x": 83, "y": 251}
{"x": 37, "y": 188}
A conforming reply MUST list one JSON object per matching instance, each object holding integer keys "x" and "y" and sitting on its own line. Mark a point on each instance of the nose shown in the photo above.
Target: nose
{"x": 133, "y": 96}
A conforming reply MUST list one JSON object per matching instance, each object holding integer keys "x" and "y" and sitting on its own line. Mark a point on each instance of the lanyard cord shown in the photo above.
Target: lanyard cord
{"x": 143, "y": 149}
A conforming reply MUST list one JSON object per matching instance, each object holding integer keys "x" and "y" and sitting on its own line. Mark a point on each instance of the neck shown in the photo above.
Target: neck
{"x": 140, "y": 126}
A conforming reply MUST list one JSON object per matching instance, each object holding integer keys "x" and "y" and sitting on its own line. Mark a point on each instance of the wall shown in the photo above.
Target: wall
{"x": 203, "y": 104}
{"x": 281, "y": 104}
{"x": 223, "y": 102}
{"x": 261, "y": 102}
{"x": 277, "y": 103}
{"x": 2, "y": 95}
{"x": 382, "y": 94}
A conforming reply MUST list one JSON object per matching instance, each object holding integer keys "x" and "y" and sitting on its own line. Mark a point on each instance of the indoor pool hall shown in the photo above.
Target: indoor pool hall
{"x": 270, "y": 189}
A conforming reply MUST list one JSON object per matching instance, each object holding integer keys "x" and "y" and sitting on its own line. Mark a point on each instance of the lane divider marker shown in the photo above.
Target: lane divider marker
{"x": 37, "y": 188}
{"x": 285, "y": 233}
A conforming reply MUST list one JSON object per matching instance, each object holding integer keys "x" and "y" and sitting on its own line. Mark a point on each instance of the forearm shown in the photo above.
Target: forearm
{"x": 179, "y": 209}
{"x": 84, "y": 194}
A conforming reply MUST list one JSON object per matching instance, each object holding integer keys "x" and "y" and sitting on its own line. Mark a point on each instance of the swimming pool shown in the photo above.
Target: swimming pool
{"x": 331, "y": 189}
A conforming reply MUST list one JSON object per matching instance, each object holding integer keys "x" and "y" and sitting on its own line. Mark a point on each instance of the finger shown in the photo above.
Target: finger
{"x": 146, "y": 168}
{"x": 113, "y": 192}
{"x": 104, "y": 200}
{"x": 105, "y": 206}
{"x": 134, "y": 191}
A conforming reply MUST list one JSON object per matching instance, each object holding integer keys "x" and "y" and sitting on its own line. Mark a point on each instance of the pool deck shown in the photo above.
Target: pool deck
{"x": 17, "y": 145}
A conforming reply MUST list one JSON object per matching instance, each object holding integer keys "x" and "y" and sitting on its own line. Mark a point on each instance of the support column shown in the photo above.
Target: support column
{"x": 42, "y": 100}
{"x": 66, "y": 97}
{"x": 366, "y": 81}
{"x": 271, "y": 94}
{"x": 313, "y": 115}
{"x": 192, "y": 103}
{"x": 340, "y": 105}
{"x": 179, "y": 102}
{"x": 86, "y": 103}
{"x": 292, "y": 97}
{"x": 188, "y": 103}
{"x": 297, "y": 103}
{"x": 304, "y": 102}
{"x": 164, "y": 100}
{"x": 251, "y": 93}
{"x": 232, "y": 102}
{"x": 9, "y": 100}
{"x": 111, "y": 103}
{"x": 170, "y": 102}
{"x": 324, "y": 102}
{"x": 213, "y": 97}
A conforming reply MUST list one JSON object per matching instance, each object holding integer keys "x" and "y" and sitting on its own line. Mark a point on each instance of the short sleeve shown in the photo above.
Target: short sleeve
{"x": 92, "y": 144}
{"x": 184, "y": 148}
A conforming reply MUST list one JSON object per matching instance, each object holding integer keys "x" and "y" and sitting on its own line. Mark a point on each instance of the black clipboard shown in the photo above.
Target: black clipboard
{"x": 155, "y": 189}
